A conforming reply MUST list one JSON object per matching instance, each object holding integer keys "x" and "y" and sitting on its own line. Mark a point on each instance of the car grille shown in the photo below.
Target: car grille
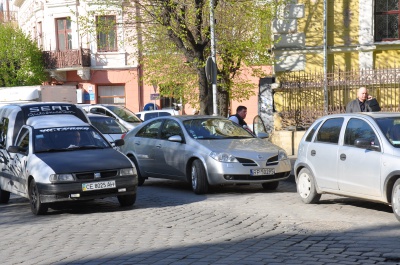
{"x": 264, "y": 177}
{"x": 272, "y": 161}
{"x": 250, "y": 163}
{"x": 103, "y": 174}
{"x": 246, "y": 162}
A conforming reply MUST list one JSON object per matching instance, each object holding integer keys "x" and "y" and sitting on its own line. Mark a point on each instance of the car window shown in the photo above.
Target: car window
{"x": 390, "y": 126}
{"x": 150, "y": 130}
{"x": 108, "y": 125}
{"x": 170, "y": 128}
{"x": 214, "y": 128}
{"x": 359, "y": 129}
{"x": 330, "y": 131}
{"x": 97, "y": 111}
{"x": 3, "y": 131}
{"x": 23, "y": 140}
{"x": 124, "y": 113}
{"x": 312, "y": 132}
{"x": 149, "y": 116}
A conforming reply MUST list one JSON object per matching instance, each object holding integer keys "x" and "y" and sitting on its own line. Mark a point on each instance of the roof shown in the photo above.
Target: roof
{"x": 61, "y": 120}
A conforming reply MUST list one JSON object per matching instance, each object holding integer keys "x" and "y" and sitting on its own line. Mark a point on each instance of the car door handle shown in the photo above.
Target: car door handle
{"x": 137, "y": 143}
{"x": 342, "y": 157}
{"x": 158, "y": 146}
{"x": 313, "y": 152}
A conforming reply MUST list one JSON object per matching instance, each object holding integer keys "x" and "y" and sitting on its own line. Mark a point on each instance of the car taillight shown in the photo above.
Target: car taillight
{"x": 123, "y": 135}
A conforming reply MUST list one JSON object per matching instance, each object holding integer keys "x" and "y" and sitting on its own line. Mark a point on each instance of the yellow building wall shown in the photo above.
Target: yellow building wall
{"x": 387, "y": 59}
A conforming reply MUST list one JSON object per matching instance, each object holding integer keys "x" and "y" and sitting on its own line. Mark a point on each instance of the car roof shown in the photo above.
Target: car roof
{"x": 58, "y": 120}
{"x": 373, "y": 115}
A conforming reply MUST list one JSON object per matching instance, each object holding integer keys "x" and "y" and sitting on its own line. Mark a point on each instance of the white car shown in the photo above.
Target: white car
{"x": 351, "y": 154}
{"x": 108, "y": 126}
{"x": 150, "y": 114}
{"x": 119, "y": 112}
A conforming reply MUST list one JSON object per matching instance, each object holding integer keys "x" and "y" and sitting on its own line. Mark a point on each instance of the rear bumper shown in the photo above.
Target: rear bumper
{"x": 73, "y": 191}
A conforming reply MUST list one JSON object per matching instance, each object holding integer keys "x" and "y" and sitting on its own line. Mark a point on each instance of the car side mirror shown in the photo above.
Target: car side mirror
{"x": 119, "y": 142}
{"x": 262, "y": 135}
{"x": 175, "y": 138}
{"x": 366, "y": 144}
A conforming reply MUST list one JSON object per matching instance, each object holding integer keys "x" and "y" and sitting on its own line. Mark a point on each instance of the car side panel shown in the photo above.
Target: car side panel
{"x": 324, "y": 157}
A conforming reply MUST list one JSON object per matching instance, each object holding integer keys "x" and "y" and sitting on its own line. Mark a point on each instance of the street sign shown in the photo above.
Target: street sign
{"x": 155, "y": 96}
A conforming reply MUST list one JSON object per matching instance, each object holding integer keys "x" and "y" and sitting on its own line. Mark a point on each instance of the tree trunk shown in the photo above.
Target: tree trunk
{"x": 205, "y": 93}
{"x": 223, "y": 103}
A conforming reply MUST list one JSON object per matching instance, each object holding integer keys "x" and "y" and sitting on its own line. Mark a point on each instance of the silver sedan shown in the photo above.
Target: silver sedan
{"x": 204, "y": 150}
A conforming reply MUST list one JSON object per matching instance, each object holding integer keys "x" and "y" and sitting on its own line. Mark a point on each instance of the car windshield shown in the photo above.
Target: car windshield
{"x": 215, "y": 128}
{"x": 68, "y": 138}
{"x": 124, "y": 114}
{"x": 390, "y": 126}
{"x": 108, "y": 125}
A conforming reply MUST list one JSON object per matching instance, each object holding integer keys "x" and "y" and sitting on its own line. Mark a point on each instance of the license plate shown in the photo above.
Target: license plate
{"x": 98, "y": 185}
{"x": 262, "y": 171}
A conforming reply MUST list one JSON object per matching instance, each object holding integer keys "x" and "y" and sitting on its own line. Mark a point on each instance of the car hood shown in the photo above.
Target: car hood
{"x": 242, "y": 147}
{"x": 84, "y": 160}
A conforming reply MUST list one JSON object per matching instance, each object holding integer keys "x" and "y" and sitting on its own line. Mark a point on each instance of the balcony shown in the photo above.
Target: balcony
{"x": 8, "y": 16}
{"x": 66, "y": 59}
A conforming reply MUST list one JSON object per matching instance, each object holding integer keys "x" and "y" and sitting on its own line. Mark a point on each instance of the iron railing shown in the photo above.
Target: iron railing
{"x": 66, "y": 58}
{"x": 299, "y": 99}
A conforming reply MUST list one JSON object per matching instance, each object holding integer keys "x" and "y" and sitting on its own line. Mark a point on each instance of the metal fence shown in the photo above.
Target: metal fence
{"x": 299, "y": 99}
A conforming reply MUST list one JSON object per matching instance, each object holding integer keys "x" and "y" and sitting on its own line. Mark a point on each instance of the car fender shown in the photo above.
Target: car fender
{"x": 388, "y": 185}
{"x": 189, "y": 164}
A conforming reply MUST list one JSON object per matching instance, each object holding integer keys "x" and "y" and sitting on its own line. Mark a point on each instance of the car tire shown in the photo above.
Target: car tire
{"x": 270, "y": 185}
{"x": 306, "y": 187}
{"x": 199, "y": 178}
{"x": 141, "y": 180}
{"x": 4, "y": 196}
{"x": 37, "y": 207}
{"x": 396, "y": 199}
{"x": 127, "y": 200}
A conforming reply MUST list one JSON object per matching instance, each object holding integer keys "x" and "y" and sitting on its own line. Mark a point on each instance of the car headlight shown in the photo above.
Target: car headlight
{"x": 223, "y": 157}
{"x": 282, "y": 155}
{"x": 127, "y": 171}
{"x": 61, "y": 178}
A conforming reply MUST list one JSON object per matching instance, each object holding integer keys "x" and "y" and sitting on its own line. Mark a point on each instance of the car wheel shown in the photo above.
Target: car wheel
{"x": 140, "y": 178}
{"x": 396, "y": 199}
{"x": 199, "y": 178}
{"x": 271, "y": 185}
{"x": 127, "y": 200}
{"x": 37, "y": 207}
{"x": 306, "y": 187}
{"x": 4, "y": 196}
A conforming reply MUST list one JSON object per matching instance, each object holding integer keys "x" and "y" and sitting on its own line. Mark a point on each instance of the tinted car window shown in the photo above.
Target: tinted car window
{"x": 359, "y": 129}
{"x": 312, "y": 132}
{"x": 150, "y": 130}
{"x": 211, "y": 128}
{"x": 170, "y": 128}
{"x": 330, "y": 130}
{"x": 391, "y": 129}
{"x": 124, "y": 114}
{"x": 107, "y": 125}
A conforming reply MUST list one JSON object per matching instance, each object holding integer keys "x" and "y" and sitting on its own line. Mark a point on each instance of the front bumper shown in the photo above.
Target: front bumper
{"x": 232, "y": 173}
{"x": 60, "y": 192}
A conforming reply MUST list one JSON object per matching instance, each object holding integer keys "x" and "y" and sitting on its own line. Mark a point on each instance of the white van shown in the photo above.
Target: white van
{"x": 50, "y": 153}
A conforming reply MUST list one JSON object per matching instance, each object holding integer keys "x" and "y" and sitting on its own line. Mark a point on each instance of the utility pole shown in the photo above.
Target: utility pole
{"x": 326, "y": 103}
{"x": 213, "y": 56}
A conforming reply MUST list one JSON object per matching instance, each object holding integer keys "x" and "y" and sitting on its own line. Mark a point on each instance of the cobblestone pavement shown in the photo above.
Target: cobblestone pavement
{"x": 169, "y": 224}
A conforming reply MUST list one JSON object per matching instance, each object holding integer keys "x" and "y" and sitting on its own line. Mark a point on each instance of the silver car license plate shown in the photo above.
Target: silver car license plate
{"x": 262, "y": 171}
{"x": 98, "y": 185}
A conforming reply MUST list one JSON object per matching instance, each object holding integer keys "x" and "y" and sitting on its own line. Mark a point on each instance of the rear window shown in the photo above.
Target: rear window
{"x": 330, "y": 131}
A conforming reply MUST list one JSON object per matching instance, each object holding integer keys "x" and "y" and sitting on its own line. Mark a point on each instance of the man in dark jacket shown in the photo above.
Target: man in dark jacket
{"x": 362, "y": 103}
{"x": 241, "y": 112}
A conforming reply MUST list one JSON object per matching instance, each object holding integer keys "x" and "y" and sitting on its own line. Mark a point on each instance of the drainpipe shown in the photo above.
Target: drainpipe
{"x": 325, "y": 57}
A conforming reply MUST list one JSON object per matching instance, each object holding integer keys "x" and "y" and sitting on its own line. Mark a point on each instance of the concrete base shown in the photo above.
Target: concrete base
{"x": 288, "y": 140}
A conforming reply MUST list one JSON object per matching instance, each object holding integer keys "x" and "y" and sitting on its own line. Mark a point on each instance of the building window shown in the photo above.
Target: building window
{"x": 387, "y": 20}
{"x": 64, "y": 35}
{"x": 106, "y": 33}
